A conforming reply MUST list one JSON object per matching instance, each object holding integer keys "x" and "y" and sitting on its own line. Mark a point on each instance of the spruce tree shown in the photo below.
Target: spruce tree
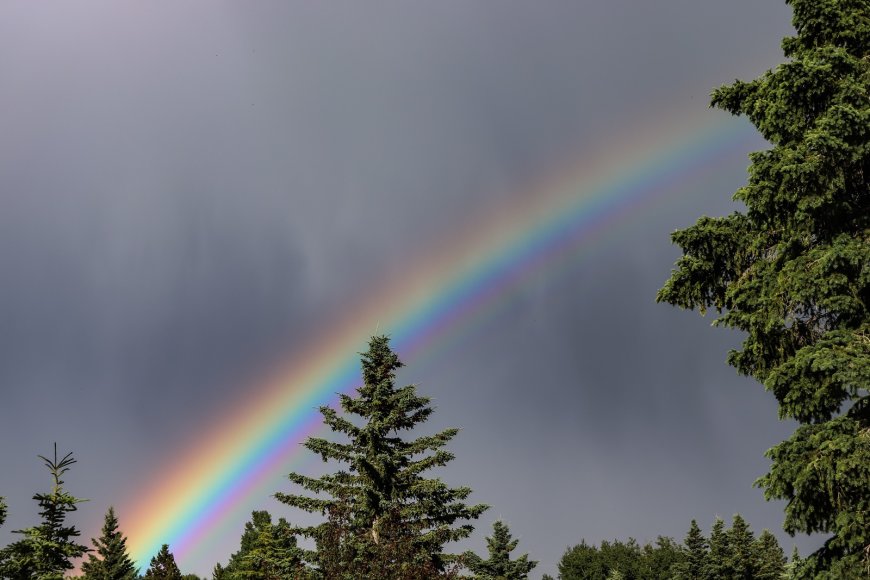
{"x": 499, "y": 566}
{"x": 268, "y": 552}
{"x": 45, "y": 550}
{"x": 769, "y": 557}
{"x": 741, "y": 541}
{"x": 163, "y": 566}
{"x": 692, "y": 567}
{"x": 792, "y": 272}
{"x": 717, "y": 565}
{"x": 384, "y": 518}
{"x": 114, "y": 562}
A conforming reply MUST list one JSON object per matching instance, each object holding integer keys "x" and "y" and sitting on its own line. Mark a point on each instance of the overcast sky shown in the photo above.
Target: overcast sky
{"x": 189, "y": 189}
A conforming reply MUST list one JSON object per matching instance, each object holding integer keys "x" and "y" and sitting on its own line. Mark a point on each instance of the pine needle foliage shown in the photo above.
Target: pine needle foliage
{"x": 267, "y": 552}
{"x": 381, "y": 507}
{"x": 792, "y": 272}
{"x": 114, "y": 562}
{"x": 163, "y": 566}
{"x": 45, "y": 552}
{"x": 499, "y": 565}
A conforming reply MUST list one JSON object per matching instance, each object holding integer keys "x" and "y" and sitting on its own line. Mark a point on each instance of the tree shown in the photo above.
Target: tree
{"x": 499, "y": 566}
{"x": 629, "y": 560}
{"x": 792, "y": 272}
{"x": 580, "y": 562}
{"x": 45, "y": 550}
{"x": 769, "y": 557}
{"x": 661, "y": 559}
{"x": 163, "y": 566}
{"x": 741, "y": 541}
{"x": 114, "y": 562}
{"x": 718, "y": 560}
{"x": 381, "y": 508}
{"x": 2, "y": 511}
{"x": 268, "y": 552}
{"x": 696, "y": 555}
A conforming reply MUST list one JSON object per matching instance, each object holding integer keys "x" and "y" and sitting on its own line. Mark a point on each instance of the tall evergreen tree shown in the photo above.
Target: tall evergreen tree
{"x": 381, "y": 508}
{"x": 692, "y": 568}
{"x": 792, "y": 272}
{"x": 2, "y": 511}
{"x": 741, "y": 541}
{"x": 717, "y": 564}
{"x": 769, "y": 557}
{"x": 45, "y": 550}
{"x": 499, "y": 565}
{"x": 114, "y": 562}
{"x": 268, "y": 552}
{"x": 163, "y": 566}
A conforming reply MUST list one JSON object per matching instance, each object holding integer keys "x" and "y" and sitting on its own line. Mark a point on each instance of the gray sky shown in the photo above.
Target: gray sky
{"x": 188, "y": 190}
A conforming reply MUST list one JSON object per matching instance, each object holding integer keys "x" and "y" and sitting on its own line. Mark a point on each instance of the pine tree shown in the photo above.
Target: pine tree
{"x": 741, "y": 540}
{"x": 46, "y": 550}
{"x": 717, "y": 564}
{"x": 792, "y": 272}
{"x": 381, "y": 511}
{"x": 692, "y": 568}
{"x": 794, "y": 569}
{"x": 268, "y": 551}
{"x": 499, "y": 566}
{"x": 163, "y": 566}
{"x": 769, "y": 557}
{"x": 114, "y": 562}
{"x": 219, "y": 572}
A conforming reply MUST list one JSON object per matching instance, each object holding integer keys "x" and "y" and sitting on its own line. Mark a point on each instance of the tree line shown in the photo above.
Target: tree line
{"x": 383, "y": 518}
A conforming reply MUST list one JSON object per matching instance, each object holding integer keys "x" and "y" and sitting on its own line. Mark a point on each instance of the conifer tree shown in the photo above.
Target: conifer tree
{"x": 219, "y": 572}
{"x": 381, "y": 510}
{"x": 792, "y": 272}
{"x": 114, "y": 562}
{"x": 741, "y": 541}
{"x": 499, "y": 566}
{"x": 692, "y": 568}
{"x": 2, "y": 511}
{"x": 769, "y": 557}
{"x": 45, "y": 550}
{"x": 268, "y": 551}
{"x": 163, "y": 566}
{"x": 717, "y": 564}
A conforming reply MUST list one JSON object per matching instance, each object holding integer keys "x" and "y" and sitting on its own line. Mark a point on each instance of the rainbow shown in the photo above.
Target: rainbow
{"x": 212, "y": 483}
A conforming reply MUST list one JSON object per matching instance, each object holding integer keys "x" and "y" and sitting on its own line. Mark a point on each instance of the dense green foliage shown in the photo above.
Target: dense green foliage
{"x": 381, "y": 506}
{"x": 163, "y": 566}
{"x": 114, "y": 562}
{"x": 45, "y": 551}
{"x": 267, "y": 552}
{"x": 2, "y": 511}
{"x": 729, "y": 554}
{"x": 629, "y": 560}
{"x": 792, "y": 272}
{"x": 499, "y": 565}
